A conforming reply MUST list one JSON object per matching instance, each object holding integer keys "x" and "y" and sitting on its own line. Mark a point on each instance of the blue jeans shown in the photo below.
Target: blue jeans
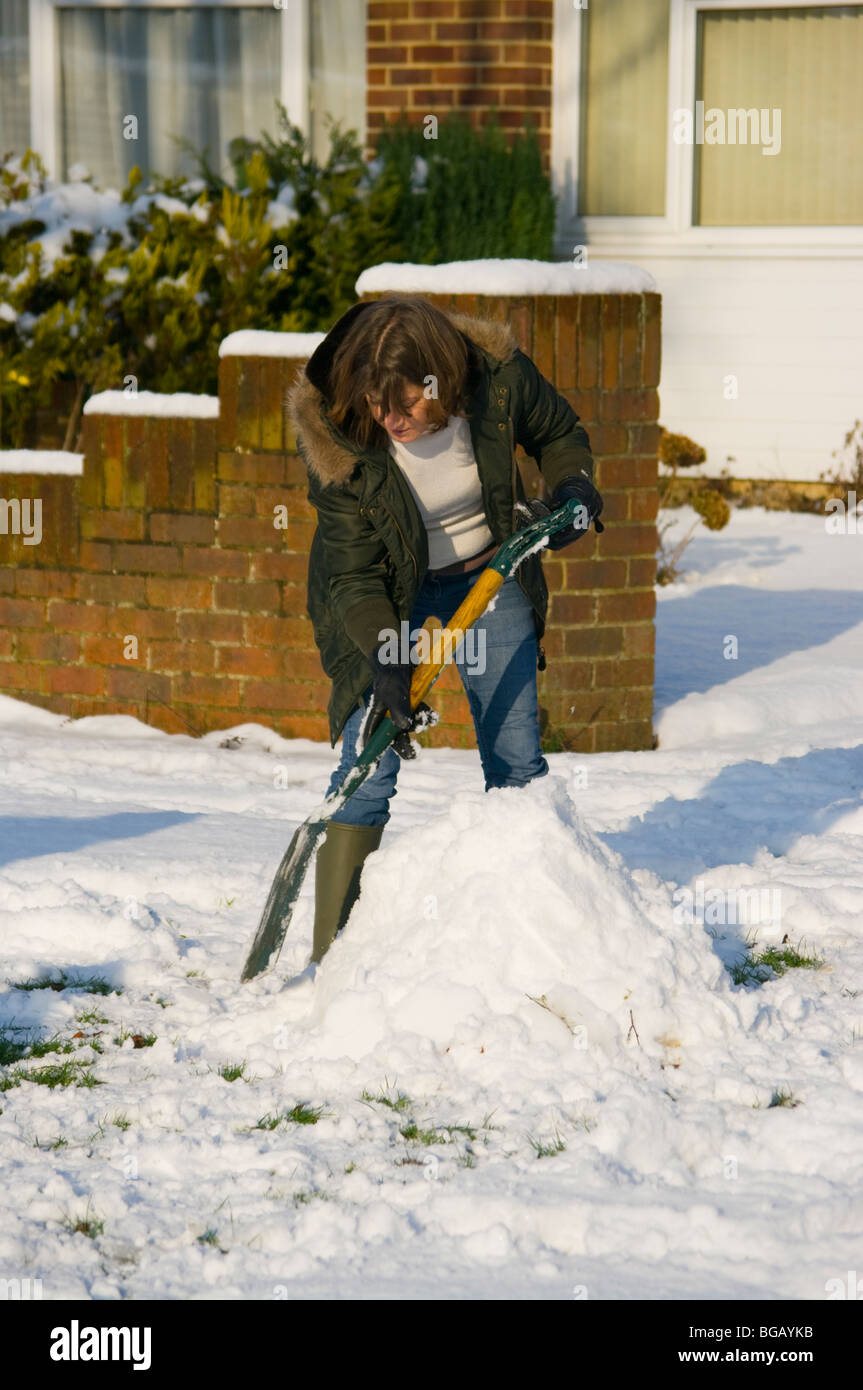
{"x": 498, "y": 671}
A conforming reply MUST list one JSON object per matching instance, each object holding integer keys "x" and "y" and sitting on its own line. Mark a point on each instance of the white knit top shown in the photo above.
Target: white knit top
{"x": 441, "y": 471}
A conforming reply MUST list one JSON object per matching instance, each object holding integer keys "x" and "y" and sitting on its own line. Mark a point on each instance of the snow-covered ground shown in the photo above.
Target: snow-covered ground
{"x": 533, "y": 1073}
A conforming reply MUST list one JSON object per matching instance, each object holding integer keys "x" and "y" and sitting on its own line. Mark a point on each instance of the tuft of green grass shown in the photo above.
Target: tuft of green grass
{"x": 301, "y": 1114}
{"x": 232, "y": 1071}
{"x": 49, "y": 1045}
{"x": 62, "y": 1074}
{"x": 304, "y": 1114}
{"x": 549, "y": 1149}
{"x": 756, "y": 968}
{"x": 210, "y": 1237}
{"x": 12, "y": 1050}
{"x": 91, "y": 984}
{"x": 782, "y": 958}
{"x": 87, "y": 1225}
{"x": 414, "y": 1135}
{"x": 401, "y": 1102}
{"x": 121, "y": 1120}
{"x": 783, "y": 1097}
{"x": 138, "y": 1039}
{"x": 311, "y": 1194}
{"x": 90, "y": 1016}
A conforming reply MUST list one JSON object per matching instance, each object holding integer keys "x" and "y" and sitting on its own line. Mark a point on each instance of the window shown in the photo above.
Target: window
{"x": 107, "y": 85}
{"x": 337, "y": 78}
{"x": 797, "y": 74}
{"x": 14, "y": 76}
{"x": 202, "y": 75}
{"x": 624, "y": 86}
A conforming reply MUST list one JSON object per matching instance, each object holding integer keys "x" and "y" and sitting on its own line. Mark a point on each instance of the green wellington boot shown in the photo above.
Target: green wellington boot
{"x": 337, "y": 878}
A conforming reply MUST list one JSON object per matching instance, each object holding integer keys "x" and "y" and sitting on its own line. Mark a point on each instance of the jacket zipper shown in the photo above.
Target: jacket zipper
{"x": 403, "y": 541}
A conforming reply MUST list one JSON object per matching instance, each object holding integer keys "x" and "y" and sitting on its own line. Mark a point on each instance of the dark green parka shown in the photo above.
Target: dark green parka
{"x": 369, "y": 554}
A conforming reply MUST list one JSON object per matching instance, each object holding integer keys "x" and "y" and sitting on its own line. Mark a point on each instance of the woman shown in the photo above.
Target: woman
{"x": 407, "y": 419}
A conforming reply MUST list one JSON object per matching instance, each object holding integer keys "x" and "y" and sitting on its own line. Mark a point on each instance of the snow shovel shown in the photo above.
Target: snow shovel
{"x": 289, "y": 877}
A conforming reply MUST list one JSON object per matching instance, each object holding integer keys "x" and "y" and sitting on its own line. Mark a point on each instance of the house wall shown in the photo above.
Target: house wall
{"x": 468, "y": 56}
{"x": 790, "y": 333}
{"x": 169, "y": 538}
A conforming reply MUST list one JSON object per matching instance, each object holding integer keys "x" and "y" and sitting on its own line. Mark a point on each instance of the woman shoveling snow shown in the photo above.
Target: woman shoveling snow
{"x": 407, "y": 419}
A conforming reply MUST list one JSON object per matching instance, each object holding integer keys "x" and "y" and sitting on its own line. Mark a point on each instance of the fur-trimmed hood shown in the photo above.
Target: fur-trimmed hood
{"x": 330, "y": 460}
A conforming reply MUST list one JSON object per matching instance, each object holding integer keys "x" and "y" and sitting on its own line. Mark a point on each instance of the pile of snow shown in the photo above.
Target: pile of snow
{"x": 507, "y": 899}
{"x": 497, "y": 276}
{"x": 41, "y": 461}
{"x": 252, "y": 342}
{"x": 178, "y": 404}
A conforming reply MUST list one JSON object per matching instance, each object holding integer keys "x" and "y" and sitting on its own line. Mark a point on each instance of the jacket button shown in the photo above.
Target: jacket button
{"x": 501, "y": 426}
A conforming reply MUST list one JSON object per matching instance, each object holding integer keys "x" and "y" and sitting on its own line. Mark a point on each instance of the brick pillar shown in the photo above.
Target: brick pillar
{"x": 469, "y": 56}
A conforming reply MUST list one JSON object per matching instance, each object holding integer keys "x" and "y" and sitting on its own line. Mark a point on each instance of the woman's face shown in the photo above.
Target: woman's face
{"x": 409, "y": 421}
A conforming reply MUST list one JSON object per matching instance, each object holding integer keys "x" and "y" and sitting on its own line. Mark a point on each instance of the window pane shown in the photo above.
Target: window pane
{"x": 14, "y": 77}
{"x": 624, "y": 108}
{"x": 797, "y": 74}
{"x": 204, "y": 75}
{"x": 338, "y": 68}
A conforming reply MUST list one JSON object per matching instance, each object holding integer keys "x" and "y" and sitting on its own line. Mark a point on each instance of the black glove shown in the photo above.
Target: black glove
{"x": 391, "y": 691}
{"x": 583, "y": 490}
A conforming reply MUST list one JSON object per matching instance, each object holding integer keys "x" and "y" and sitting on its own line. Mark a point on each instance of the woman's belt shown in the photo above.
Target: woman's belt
{"x": 473, "y": 562}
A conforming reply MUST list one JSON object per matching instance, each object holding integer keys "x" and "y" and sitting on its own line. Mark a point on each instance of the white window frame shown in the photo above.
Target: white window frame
{"x": 294, "y": 85}
{"x": 674, "y": 232}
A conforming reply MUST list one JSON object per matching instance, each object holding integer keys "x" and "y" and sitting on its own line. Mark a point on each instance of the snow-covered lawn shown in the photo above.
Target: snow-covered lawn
{"x": 532, "y": 1073}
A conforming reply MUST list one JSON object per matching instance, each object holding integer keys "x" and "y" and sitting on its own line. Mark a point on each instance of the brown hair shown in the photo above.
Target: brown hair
{"x": 400, "y": 340}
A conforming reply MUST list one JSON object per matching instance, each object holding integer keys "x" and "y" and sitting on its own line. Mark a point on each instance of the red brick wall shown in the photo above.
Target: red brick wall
{"x": 169, "y": 538}
{"x": 437, "y": 56}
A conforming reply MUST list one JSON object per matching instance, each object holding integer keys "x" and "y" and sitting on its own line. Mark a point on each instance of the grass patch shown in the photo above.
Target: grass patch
{"x": 87, "y": 1225}
{"x": 310, "y": 1194}
{"x": 756, "y": 968}
{"x": 232, "y": 1071}
{"x": 49, "y": 1045}
{"x": 783, "y": 1098}
{"x": 301, "y": 1114}
{"x": 546, "y": 1149}
{"x": 400, "y": 1104}
{"x": 414, "y": 1135}
{"x": 90, "y": 1016}
{"x": 11, "y": 1050}
{"x": 138, "y": 1039}
{"x": 90, "y": 984}
{"x": 211, "y": 1237}
{"x": 63, "y": 1074}
{"x": 304, "y": 1114}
